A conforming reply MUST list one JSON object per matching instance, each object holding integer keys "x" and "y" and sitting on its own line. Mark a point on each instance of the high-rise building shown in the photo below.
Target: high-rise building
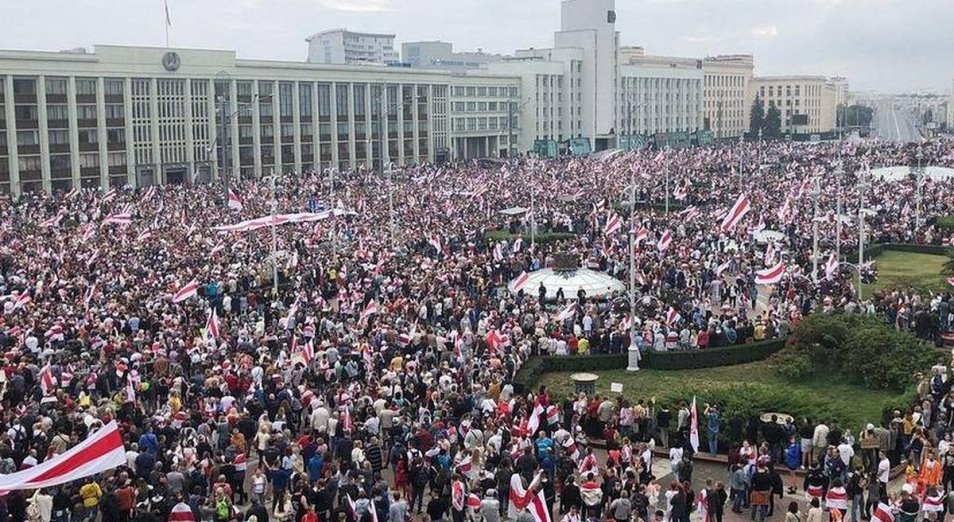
{"x": 726, "y": 96}
{"x": 799, "y": 98}
{"x": 950, "y": 109}
{"x": 340, "y": 46}
{"x": 441, "y": 55}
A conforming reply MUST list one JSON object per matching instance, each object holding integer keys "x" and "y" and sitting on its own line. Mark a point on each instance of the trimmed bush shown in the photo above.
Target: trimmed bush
{"x": 946, "y": 223}
{"x": 545, "y": 237}
{"x": 860, "y": 349}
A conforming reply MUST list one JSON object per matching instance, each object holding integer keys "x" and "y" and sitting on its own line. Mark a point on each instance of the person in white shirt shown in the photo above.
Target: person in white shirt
{"x": 884, "y": 472}
{"x": 845, "y": 451}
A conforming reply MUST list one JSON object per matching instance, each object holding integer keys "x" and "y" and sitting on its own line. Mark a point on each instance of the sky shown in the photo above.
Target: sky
{"x": 889, "y": 46}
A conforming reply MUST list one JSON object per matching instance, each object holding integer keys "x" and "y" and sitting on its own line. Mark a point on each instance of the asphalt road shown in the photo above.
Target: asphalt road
{"x": 895, "y": 124}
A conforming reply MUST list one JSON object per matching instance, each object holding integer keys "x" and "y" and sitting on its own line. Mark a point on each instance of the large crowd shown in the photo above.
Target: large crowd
{"x": 370, "y": 376}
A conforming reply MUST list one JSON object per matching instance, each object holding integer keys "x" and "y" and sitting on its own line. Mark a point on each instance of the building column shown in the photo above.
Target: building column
{"x": 130, "y": 140}
{"x": 352, "y": 153}
{"x": 159, "y": 175}
{"x": 333, "y": 99}
{"x": 11, "y": 117}
{"x": 189, "y": 138}
{"x": 74, "y": 133}
{"x": 400, "y": 123}
{"x": 101, "y": 135}
{"x": 296, "y": 121}
{"x": 44, "y": 133}
{"x": 233, "y": 133}
{"x": 256, "y": 129}
{"x": 277, "y": 128}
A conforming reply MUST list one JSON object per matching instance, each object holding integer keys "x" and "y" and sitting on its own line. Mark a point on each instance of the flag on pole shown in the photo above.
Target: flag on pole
{"x": 120, "y": 218}
{"x": 736, "y": 213}
{"x": 216, "y": 249}
{"x": 22, "y": 299}
{"x": 212, "y": 325}
{"x": 673, "y": 316}
{"x": 641, "y": 236}
{"x": 234, "y": 202}
{"x": 831, "y": 266}
{"x": 519, "y": 283}
{"x": 613, "y": 223}
{"x": 47, "y": 381}
{"x": 369, "y": 310}
{"x": 694, "y": 426}
{"x": 722, "y": 268}
{"x": 187, "y": 291}
{"x": 664, "y": 241}
{"x": 533, "y": 423}
{"x": 771, "y": 275}
{"x": 144, "y": 235}
{"x": 567, "y": 312}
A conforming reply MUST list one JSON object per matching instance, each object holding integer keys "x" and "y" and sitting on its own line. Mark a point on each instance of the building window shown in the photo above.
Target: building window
{"x": 113, "y": 87}
{"x": 85, "y": 87}
{"x": 56, "y": 86}
{"x": 324, "y": 100}
{"x": 341, "y": 98}
{"x": 304, "y": 99}
{"x": 243, "y": 89}
{"x": 24, "y": 86}
{"x": 359, "y": 100}
{"x": 59, "y": 137}
{"x": 57, "y": 112}
{"x": 285, "y": 101}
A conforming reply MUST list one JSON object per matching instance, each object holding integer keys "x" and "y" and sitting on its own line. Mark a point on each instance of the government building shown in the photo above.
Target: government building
{"x": 118, "y": 115}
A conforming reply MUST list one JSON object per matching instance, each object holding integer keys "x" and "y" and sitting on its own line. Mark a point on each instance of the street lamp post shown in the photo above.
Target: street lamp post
{"x": 633, "y": 349}
{"x": 816, "y": 191}
{"x": 511, "y": 109}
{"x": 918, "y": 181}
{"x": 223, "y": 139}
{"x": 741, "y": 143}
{"x": 273, "y": 204}
{"x": 862, "y": 187}
{"x": 390, "y": 173}
{"x": 666, "y": 171}
{"x": 839, "y": 173}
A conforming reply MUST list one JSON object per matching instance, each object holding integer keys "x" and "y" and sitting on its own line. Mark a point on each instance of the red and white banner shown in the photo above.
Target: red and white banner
{"x": 187, "y": 291}
{"x": 122, "y": 218}
{"x": 673, "y": 316}
{"x": 771, "y": 275}
{"x": 694, "y": 425}
{"x": 281, "y": 219}
{"x": 212, "y": 325}
{"x": 884, "y": 513}
{"x": 144, "y": 235}
{"x": 519, "y": 283}
{"x": 435, "y": 242}
{"x": 664, "y": 241}
{"x": 533, "y": 423}
{"x": 234, "y": 202}
{"x": 47, "y": 382}
{"x": 736, "y": 213}
{"x": 99, "y": 452}
{"x": 181, "y": 512}
{"x": 641, "y": 236}
{"x": 613, "y": 223}
{"x": 368, "y": 311}
{"x": 722, "y": 268}
{"x": 567, "y": 312}
{"x": 831, "y": 267}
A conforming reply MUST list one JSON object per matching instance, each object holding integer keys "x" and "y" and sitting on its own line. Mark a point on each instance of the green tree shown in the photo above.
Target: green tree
{"x": 757, "y": 117}
{"x": 773, "y": 123}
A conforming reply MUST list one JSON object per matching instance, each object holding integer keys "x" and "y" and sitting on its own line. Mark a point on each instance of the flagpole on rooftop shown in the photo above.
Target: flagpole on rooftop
{"x": 168, "y": 22}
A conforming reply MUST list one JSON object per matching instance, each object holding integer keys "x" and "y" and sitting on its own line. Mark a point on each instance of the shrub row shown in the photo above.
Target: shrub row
{"x": 946, "y": 223}
{"x": 543, "y": 237}
{"x": 532, "y": 370}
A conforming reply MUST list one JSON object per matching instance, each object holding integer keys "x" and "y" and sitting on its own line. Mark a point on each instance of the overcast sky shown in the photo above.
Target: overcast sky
{"x": 880, "y": 45}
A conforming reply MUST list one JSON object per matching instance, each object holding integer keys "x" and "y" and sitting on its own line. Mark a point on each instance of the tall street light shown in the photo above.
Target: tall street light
{"x": 816, "y": 191}
{"x": 862, "y": 188}
{"x": 633, "y": 349}
{"x": 918, "y": 181}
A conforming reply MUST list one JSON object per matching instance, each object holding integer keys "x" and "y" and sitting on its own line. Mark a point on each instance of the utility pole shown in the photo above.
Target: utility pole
{"x": 862, "y": 187}
{"x": 334, "y": 219}
{"x": 634, "y": 357}
{"x": 918, "y": 181}
{"x": 741, "y": 143}
{"x": 510, "y": 145}
{"x": 667, "y": 183}
{"x": 533, "y": 220}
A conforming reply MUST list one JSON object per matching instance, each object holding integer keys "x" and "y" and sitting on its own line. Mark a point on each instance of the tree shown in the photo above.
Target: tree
{"x": 773, "y": 123}
{"x": 757, "y": 118}
{"x": 855, "y": 116}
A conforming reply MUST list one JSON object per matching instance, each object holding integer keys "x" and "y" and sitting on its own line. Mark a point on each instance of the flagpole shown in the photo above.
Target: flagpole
{"x": 633, "y": 357}
{"x": 168, "y": 22}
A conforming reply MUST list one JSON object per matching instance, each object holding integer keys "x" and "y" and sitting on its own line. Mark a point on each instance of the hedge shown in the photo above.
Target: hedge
{"x": 876, "y": 249}
{"x": 946, "y": 223}
{"x": 533, "y": 369}
{"x": 544, "y": 237}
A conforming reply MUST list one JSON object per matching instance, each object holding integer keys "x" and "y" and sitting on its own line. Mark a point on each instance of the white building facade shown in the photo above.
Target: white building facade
{"x": 813, "y": 97}
{"x": 660, "y": 94}
{"x": 139, "y": 116}
{"x": 726, "y": 98}
{"x": 341, "y": 46}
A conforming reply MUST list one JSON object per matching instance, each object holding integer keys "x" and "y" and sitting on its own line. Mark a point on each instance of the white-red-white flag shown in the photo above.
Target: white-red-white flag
{"x": 567, "y": 312}
{"x": 736, "y": 213}
{"x": 664, "y": 241}
{"x": 694, "y": 425}
{"x": 181, "y": 512}
{"x": 771, "y": 275}
{"x": 519, "y": 283}
{"x": 831, "y": 266}
{"x": 212, "y": 325}
{"x": 47, "y": 381}
{"x": 673, "y": 316}
{"x": 234, "y": 202}
{"x": 190, "y": 289}
{"x": 120, "y": 218}
{"x": 22, "y": 299}
{"x": 435, "y": 242}
{"x": 369, "y": 310}
{"x": 144, "y": 235}
{"x": 99, "y": 452}
{"x": 613, "y": 223}
{"x": 216, "y": 249}
{"x": 641, "y": 236}
{"x": 884, "y": 513}
{"x": 722, "y": 268}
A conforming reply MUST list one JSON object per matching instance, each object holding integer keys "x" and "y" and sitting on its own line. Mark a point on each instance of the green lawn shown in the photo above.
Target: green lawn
{"x": 745, "y": 389}
{"x": 909, "y": 270}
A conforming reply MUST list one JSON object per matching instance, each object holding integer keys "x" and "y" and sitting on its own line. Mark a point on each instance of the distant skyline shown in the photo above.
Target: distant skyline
{"x": 887, "y": 46}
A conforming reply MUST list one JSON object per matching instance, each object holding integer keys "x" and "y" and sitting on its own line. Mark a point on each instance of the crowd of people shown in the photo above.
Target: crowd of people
{"x": 361, "y": 367}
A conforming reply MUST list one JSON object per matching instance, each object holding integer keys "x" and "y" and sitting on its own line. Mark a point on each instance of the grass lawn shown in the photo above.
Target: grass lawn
{"x": 745, "y": 389}
{"x": 904, "y": 270}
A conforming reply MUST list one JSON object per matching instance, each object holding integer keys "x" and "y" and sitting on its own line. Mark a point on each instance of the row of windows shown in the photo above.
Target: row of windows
{"x": 471, "y": 91}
